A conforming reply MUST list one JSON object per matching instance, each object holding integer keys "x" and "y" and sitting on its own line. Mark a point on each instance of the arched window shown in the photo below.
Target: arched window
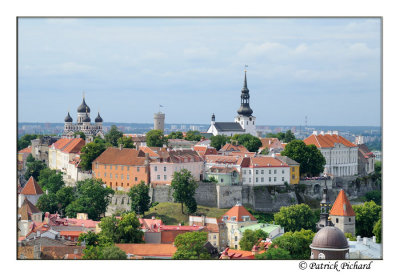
{"x": 321, "y": 256}
{"x": 312, "y": 255}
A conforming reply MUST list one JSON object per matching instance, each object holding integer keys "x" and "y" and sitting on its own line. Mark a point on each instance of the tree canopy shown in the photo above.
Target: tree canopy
{"x": 274, "y": 254}
{"x": 295, "y": 217}
{"x": 296, "y": 243}
{"x": 193, "y": 136}
{"x": 50, "y": 179}
{"x": 113, "y": 135}
{"x": 155, "y": 138}
{"x": 367, "y": 215}
{"x": 286, "y": 137}
{"x": 33, "y": 168}
{"x": 124, "y": 230}
{"x": 175, "y": 135}
{"x": 377, "y": 230}
{"x": 184, "y": 186}
{"x": 98, "y": 247}
{"x": 218, "y": 141}
{"x": 90, "y": 152}
{"x": 252, "y": 143}
{"x": 140, "y": 199}
{"x": 311, "y": 160}
{"x": 81, "y": 135}
{"x": 126, "y": 142}
{"x": 25, "y": 141}
{"x": 250, "y": 238}
{"x": 190, "y": 246}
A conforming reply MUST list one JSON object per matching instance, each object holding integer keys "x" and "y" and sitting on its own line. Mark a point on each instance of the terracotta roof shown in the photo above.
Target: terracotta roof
{"x": 238, "y": 211}
{"x": 222, "y": 159}
{"x": 211, "y": 227}
{"x": 222, "y": 169}
{"x": 342, "y": 206}
{"x": 148, "y": 249}
{"x": 71, "y": 233}
{"x": 327, "y": 141}
{"x": 150, "y": 224}
{"x": 231, "y": 147}
{"x": 287, "y": 160}
{"x": 125, "y": 156}
{"x": 203, "y": 150}
{"x": 243, "y": 154}
{"x": 25, "y": 150}
{"x": 27, "y": 209}
{"x": 264, "y": 161}
{"x": 181, "y": 228}
{"x": 235, "y": 254}
{"x": 66, "y": 145}
{"x": 32, "y": 188}
{"x": 269, "y": 142}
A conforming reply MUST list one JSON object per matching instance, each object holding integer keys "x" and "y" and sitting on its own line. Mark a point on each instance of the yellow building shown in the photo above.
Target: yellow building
{"x": 294, "y": 169}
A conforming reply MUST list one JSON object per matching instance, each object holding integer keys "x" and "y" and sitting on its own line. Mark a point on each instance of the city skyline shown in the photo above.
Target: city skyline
{"x": 325, "y": 69}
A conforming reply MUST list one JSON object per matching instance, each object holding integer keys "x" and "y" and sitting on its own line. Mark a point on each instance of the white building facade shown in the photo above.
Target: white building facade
{"x": 265, "y": 171}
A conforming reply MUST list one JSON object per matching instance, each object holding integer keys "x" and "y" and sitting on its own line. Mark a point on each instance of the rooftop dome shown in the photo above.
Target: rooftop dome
{"x": 86, "y": 118}
{"x": 330, "y": 237}
{"x": 83, "y": 108}
{"x": 98, "y": 118}
{"x": 68, "y": 118}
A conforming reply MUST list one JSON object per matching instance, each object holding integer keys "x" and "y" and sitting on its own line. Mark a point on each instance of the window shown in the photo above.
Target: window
{"x": 256, "y": 179}
{"x": 105, "y": 174}
{"x": 274, "y": 179}
{"x": 122, "y": 176}
{"x": 138, "y": 169}
{"x": 135, "y": 178}
{"x": 349, "y": 219}
{"x": 110, "y": 166}
{"x": 262, "y": 179}
{"x": 158, "y": 177}
{"x": 116, "y": 176}
{"x": 274, "y": 171}
{"x": 262, "y": 171}
{"x": 127, "y": 176}
{"x": 155, "y": 168}
{"x": 283, "y": 179}
{"x": 236, "y": 238}
{"x": 233, "y": 218}
{"x": 116, "y": 167}
{"x": 105, "y": 167}
{"x": 122, "y": 167}
{"x": 244, "y": 171}
{"x": 337, "y": 220}
{"x": 269, "y": 179}
{"x": 165, "y": 177}
{"x": 321, "y": 256}
{"x": 256, "y": 171}
{"x": 127, "y": 168}
{"x": 283, "y": 171}
{"x": 312, "y": 256}
{"x": 97, "y": 165}
{"x": 249, "y": 180}
{"x": 110, "y": 175}
{"x": 292, "y": 169}
{"x": 215, "y": 236}
{"x": 165, "y": 168}
{"x": 293, "y": 176}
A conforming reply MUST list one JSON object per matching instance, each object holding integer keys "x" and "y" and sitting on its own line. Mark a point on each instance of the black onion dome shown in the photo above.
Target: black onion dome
{"x": 83, "y": 108}
{"x": 245, "y": 109}
{"x": 98, "y": 118}
{"x": 330, "y": 237}
{"x": 86, "y": 118}
{"x": 68, "y": 118}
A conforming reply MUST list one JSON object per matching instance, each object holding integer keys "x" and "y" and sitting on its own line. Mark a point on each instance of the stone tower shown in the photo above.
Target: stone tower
{"x": 245, "y": 114}
{"x": 325, "y": 207}
{"x": 159, "y": 119}
{"x": 343, "y": 215}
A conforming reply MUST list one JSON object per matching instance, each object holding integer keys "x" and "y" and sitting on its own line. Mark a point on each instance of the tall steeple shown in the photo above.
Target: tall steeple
{"x": 245, "y": 109}
{"x": 325, "y": 206}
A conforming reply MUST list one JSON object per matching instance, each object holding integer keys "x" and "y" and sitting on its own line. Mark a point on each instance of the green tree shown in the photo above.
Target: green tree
{"x": 191, "y": 205}
{"x": 296, "y": 243}
{"x": 25, "y": 141}
{"x": 48, "y": 203}
{"x": 252, "y": 143}
{"x": 295, "y": 217}
{"x": 367, "y": 215}
{"x": 175, "y": 135}
{"x": 30, "y": 158}
{"x": 92, "y": 253}
{"x": 108, "y": 227}
{"x": 190, "y": 246}
{"x": 124, "y": 230}
{"x": 113, "y": 135}
{"x": 193, "y": 136}
{"x": 377, "y": 231}
{"x": 350, "y": 236}
{"x": 126, "y": 142}
{"x": 90, "y": 152}
{"x": 274, "y": 254}
{"x": 184, "y": 186}
{"x": 155, "y": 138}
{"x": 140, "y": 199}
{"x": 375, "y": 195}
{"x": 33, "y": 169}
{"x": 112, "y": 252}
{"x": 250, "y": 238}
{"x": 65, "y": 196}
{"x": 218, "y": 141}
{"x": 51, "y": 180}
{"x": 81, "y": 135}
{"x": 92, "y": 198}
{"x": 289, "y": 136}
{"x": 265, "y": 151}
{"x": 311, "y": 160}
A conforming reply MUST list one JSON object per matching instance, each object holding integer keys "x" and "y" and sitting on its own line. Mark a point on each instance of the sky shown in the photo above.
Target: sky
{"x": 328, "y": 69}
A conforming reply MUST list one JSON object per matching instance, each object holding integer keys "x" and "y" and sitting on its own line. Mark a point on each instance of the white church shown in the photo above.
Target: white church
{"x": 245, "y": 122}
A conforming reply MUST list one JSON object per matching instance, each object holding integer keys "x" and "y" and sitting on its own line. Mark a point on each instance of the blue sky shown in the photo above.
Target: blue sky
{"x": 327, "y": 69}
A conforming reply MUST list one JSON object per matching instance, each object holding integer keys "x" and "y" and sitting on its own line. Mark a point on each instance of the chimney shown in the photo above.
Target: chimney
{"x": 315, "y": 132}
{"x": 374, "y": 239}
{"x": 322, "y": 133}
{"x": 120, "y": 147}
{"x": 153, "y": 217}
{"x": 335, "y": 132}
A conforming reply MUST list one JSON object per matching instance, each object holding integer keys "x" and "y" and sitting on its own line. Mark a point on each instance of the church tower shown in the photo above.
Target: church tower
{"x": 325, "y": 206}
{"x": 343, "y": 215}
{"x": 245, "y": 114}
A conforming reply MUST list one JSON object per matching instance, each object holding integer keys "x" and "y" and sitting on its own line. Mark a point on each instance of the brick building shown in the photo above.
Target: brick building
{"x": 121, "y": 168}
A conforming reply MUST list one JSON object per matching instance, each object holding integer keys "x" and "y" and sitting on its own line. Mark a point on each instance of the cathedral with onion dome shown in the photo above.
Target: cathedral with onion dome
{"x": 83, "y": 124}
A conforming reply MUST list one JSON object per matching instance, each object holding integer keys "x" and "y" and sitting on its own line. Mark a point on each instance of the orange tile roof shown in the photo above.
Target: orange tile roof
{"x": 25, "y": 150}
{"x": 238, "y": 211}
{"x": 32, "y": 188}
{"x": 27, "y": 209}
{"x": 342, "y": 206}
{"x": 231, "y": 147}
{"x": 222, "y": 159}
{"x": 235, "y": 254}
{"x": 264, "y": 161}
{"x": 327, "y": 141}
{"x": 148, "y": 249}
{"x": 125, "y": 156}
{"x": 66, "y": 145}
{"x": 268, "y": 142}
{"x": 71, "y": 233}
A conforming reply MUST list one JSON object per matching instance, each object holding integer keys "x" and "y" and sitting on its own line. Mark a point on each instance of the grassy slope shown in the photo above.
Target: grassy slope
{"x": 170, "y": 213}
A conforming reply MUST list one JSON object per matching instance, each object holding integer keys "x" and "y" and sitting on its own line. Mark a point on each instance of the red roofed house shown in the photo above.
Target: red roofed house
{"x": 151, "y": 229}
{"x": 228, "y": 148}
{"x": 272, "y": 144}
{"x": 211, "y": 225}
{"x": 27, "y": 214}
{"x": 234, "y": 219}
{"x": 170, "y": 232}
{"x": 340, "y": 154}
{"x": 265, "y": 170}
{"x": 31, "y": 191}
{"x": 22, "y": 155}
{"x": 64, "y": 151}
{"x": 204, "y": 150}
{"x": 343, "y": 215}
{"x": 147, "y": 250}
{"x": 233, "y": 254}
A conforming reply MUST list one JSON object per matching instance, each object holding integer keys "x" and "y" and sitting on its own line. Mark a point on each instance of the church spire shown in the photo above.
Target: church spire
{"x": 245, "y": 109}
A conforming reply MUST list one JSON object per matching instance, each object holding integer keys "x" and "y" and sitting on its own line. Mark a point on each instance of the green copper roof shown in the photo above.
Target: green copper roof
{"x": 268, "y": 228}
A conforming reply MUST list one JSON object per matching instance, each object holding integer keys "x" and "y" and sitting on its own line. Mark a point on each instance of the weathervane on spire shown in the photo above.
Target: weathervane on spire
{"x": 245, "y": 66}
{"x": 159, "y": 107}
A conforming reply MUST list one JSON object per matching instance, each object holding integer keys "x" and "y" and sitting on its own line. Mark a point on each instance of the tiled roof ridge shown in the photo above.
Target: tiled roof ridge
{"x": 342, "y": 206}
{"x": 31, "y": 187}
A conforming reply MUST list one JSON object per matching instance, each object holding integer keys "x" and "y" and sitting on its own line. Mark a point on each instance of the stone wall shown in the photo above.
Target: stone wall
{"x": 119, "y": 202}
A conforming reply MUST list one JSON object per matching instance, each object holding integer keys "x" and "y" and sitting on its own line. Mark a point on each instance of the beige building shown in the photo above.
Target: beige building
{"x": 211, "y": 226}
{"x": 63, "y": 151}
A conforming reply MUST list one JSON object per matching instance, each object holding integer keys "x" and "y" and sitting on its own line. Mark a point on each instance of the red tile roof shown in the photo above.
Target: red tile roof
{"x": 234, "y": 254}
{"x": 182, "y": 228}
{"x": 71, "y": 233}
{"x": 148, "y": 249}
{"x": 264, "y": 161}
{"x": 66, "y": 145}
{"x": 327, "y": 141}
{"x": 269, "y": 142}
{"x": 238, "y": 211}
{"x": 124, "y": 156}
{"x": 231, "y": 147}
{"x": 150, "y": 224}
{"x": 31, "y": 188}
{"x": 27, "y": 209}
{"x": 25, "y": 150}
{"x": 342, "y": 206}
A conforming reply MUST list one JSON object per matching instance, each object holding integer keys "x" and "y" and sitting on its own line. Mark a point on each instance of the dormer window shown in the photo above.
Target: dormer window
{"x": 233, "y": 218}
{"x": 225, "y": 217}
